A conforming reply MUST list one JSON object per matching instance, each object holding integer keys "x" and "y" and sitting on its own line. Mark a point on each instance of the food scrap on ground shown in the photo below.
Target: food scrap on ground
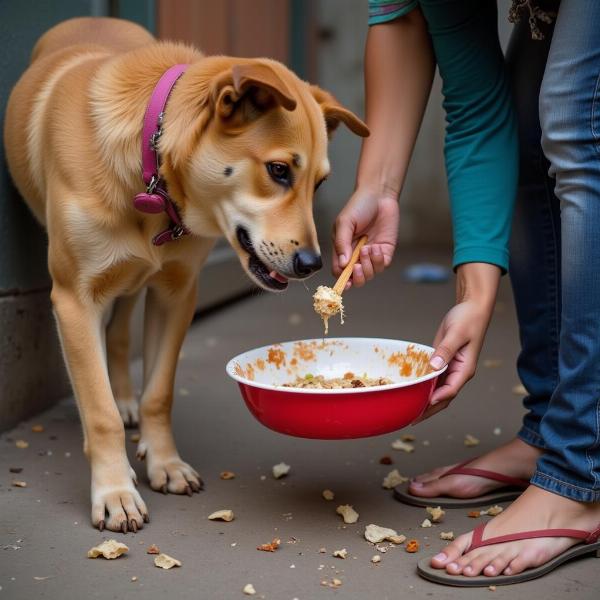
{"x": 152, "y": 549}
{"x": 328, "y": 495}
{"x": 386, "y": 460}
{"x": 222, "y": 515}
{"x": 408, "y": 437}
{"x": 271, "y": 546}
{"x": 436, "y": 513}
{"x": 343, "y": 553}
{"x": 226, "y": 475}
{"x": 22, "y": 444}
{"x": 109, "y": 549}
{"x": 497, "y": 431}
{"x": 328, "y": 303}
{"x": 164, "y": 561}
{"x": 426, "y": 523}
{"x": 396, "y": 539}
{"x": 392, "y": 479}
{"x": 19, "y": 483}
{"x": 335, "y": 583}
{"x": 492, "y": 511}
{"x": 447, "y": 535}
{"x": 375, "y": 534}
{"x": 38, "y": 428}
{"x": 471, "y": 440}
{"x": 15, "y": 469}
{"x": 249, "y": 589}
{"x": 402, "y": 445}
{"x": 347, "y": 513}
{"x": 280, "y": 470}
{"x": 376, "y": 559}
{"x": 412, "y": 546}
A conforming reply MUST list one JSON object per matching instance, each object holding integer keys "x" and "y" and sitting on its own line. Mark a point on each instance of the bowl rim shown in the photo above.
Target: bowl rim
{"x": 229, "y": 369}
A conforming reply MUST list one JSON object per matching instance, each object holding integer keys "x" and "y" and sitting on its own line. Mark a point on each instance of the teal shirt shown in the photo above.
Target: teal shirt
{"x": 480, "y": 148}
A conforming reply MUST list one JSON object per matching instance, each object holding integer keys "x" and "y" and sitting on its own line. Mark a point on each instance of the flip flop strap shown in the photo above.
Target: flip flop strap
{"x": 477, "y": 541}
{"x": 462, "y": 469}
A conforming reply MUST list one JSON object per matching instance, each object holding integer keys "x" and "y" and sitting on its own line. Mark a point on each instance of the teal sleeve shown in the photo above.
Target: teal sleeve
{"x": 481, "y": 150}
{"x": 382, "y": 11}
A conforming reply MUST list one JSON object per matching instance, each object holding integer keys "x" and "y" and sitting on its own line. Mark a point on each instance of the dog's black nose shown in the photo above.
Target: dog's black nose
{"x": 306, "y": 262}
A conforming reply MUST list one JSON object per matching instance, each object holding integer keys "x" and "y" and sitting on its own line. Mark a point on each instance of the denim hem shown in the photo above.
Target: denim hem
{"x": 562, "y": 488}
{"x": 531, "y": 437}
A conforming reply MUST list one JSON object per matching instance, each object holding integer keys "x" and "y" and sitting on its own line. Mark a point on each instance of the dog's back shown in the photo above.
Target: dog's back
{"x": 115, "y": 34}
{"x": 59, "y": 51}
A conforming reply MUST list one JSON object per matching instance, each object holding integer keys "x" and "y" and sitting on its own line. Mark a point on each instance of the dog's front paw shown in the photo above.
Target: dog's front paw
{"x": 174, "y": 476}
{"x": 128, "y": 408}
{"x": 117, "y": 505}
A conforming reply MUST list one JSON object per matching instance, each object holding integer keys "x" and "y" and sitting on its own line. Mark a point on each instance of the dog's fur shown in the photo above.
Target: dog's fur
{"x": 73, "y": 136}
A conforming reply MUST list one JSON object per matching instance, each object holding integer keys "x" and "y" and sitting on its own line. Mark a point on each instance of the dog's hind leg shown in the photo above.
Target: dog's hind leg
{"x": 113, "y": 490}
{"x": 117, "y": 358}
{"x": 167, "y": 317}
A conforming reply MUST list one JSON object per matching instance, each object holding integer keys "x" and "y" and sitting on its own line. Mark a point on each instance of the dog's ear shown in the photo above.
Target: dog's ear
{"x": 335, "y": 113}
{"x": 256, "y": 82}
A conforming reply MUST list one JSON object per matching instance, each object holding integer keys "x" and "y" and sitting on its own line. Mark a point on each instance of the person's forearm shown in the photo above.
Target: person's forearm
{"x": 479, "y": 282}
{"x": 399, "y": 68}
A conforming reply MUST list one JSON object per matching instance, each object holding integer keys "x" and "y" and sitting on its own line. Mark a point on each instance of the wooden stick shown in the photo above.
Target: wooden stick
{"x": 340, "y": 284}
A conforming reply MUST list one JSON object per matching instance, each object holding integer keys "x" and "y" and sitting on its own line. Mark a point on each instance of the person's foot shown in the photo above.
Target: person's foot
{"x": 534, "y": 509}
{"x": 515, "y": 459}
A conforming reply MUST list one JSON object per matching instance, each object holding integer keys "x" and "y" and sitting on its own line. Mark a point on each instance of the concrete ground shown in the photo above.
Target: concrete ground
{"x": 45, "y": 530}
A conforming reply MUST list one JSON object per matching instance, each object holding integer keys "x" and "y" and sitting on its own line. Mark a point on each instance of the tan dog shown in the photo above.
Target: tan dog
{"x": 243, "y": 149}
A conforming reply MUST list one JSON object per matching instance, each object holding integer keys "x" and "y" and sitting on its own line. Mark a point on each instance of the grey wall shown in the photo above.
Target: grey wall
{"x": 425, "y": 217}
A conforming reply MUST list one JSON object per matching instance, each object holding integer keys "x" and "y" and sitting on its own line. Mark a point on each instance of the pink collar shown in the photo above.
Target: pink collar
{"x": 156, "y": 199}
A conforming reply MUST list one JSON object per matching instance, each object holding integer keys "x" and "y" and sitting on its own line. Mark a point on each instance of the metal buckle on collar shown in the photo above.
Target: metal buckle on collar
{"x": 154, "y": 139}
{"x": 176, "y": 232}
{"x": 152, "y": 185}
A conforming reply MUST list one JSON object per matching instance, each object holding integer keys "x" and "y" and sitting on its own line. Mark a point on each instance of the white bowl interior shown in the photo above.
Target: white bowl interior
{"x": 405, "y": 363}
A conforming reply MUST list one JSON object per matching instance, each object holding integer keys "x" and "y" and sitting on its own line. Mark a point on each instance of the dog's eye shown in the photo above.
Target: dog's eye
{"x": 280, "y": 173}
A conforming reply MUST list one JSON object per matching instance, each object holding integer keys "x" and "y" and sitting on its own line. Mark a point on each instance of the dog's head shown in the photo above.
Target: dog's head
{"x": 245, "y": 148}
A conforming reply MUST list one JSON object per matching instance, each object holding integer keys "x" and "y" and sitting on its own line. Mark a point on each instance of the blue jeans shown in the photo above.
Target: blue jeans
{"x": 555, "y": 253}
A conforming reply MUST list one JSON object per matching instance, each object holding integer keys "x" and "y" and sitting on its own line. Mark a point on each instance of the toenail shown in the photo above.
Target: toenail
{"x": 416, "y": 484}
{"x": 489, "y": 569}
{"x": 452, "y": 566}
{"x": 467, "y": 570}
{"x": 507, "y": 571}
{"x": 440, "y": 557}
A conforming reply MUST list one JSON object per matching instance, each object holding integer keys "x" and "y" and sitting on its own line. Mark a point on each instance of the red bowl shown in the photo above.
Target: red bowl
{"x": 337, "y": 413}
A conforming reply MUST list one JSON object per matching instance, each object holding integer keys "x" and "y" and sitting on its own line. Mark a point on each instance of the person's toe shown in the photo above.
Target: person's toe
{"x": 499, "y": 563}
{"x": 452, "y": 552}
{"x": 478, "y": 562}
{"x": 516, "y": 565}
{"x": 427, "y": 489}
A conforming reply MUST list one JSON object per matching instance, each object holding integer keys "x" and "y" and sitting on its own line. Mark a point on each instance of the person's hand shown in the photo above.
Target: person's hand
{"x": 367, "y": 213}
{"x": 460, "y": 336}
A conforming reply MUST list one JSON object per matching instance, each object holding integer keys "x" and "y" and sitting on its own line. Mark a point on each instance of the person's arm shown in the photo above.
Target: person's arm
{"x": 481, "y": 154}
{"x": 399, "y": 67}
{"x": 480, "y": 146}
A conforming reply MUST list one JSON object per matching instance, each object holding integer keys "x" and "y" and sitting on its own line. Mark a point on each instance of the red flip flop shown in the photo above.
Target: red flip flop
{"x": 511, "y": 491}
{"x": 589, "y": 546}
